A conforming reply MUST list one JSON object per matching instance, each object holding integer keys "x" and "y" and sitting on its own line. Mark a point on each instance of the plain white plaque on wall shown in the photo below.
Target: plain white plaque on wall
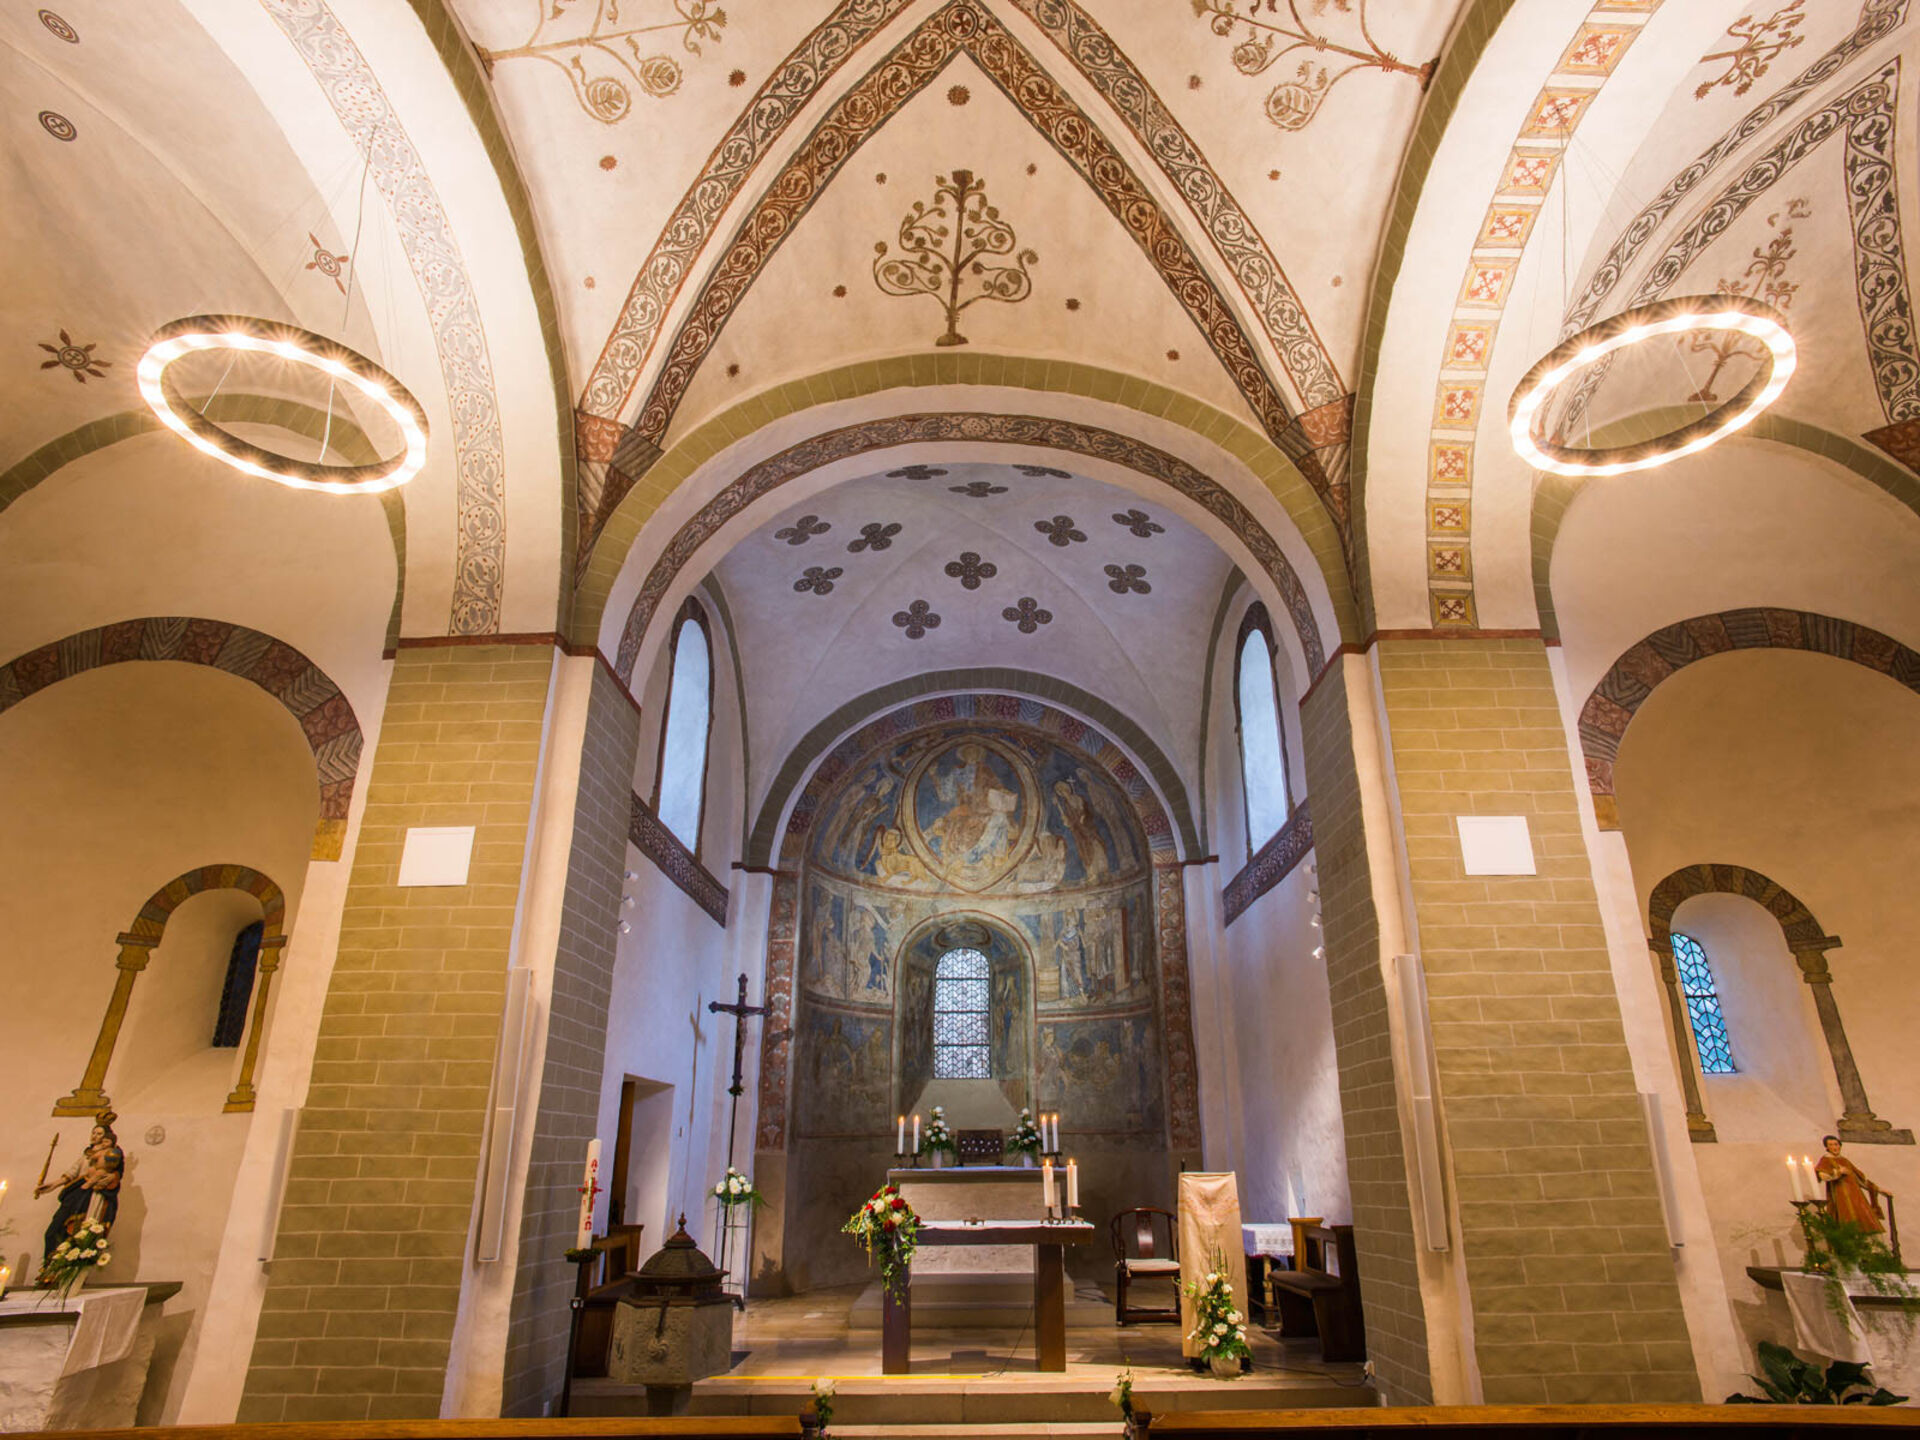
{"x": 1495, "y": 844}
{"x": 436, "y": 855}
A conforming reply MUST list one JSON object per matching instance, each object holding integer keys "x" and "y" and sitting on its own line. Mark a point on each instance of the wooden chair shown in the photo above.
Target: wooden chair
{"x": 1139, "y": 1253}
{"x": 1315, "y": 1297}
{"x": 600, "y": 1286}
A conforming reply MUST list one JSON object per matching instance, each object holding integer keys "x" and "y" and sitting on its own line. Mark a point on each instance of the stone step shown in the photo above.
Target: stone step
{"x": 974, "y": 1302}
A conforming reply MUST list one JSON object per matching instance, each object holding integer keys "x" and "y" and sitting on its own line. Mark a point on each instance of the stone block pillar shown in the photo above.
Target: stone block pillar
{"x": 1391, "y": 1292}
{"x": 366, "y": 1278}
{"x": 1572, "y": 1284}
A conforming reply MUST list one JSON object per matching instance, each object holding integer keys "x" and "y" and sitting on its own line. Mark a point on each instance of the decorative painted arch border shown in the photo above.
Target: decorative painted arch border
{"x": 1239, "y": 442}
{"x": 137, "y": 944}
{"x": 1802, "y": 930}
{"x": 618, "y": 456}
{"x": 324, "y": 714}
{"x": 1643, "y": 666}
{"x": 289, "y": 415}
{"x": 1554, "y": 495}
{"x": 893, "y": 431}
{"x": 1003, "y": 696}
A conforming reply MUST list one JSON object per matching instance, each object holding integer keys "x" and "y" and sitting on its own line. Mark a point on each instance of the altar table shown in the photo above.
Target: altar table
{"x": 1049, "y": 1240}
{"x": 78, "y": 1364}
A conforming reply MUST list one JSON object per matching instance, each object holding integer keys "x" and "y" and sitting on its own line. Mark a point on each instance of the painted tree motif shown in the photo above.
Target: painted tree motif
{"x": 945, "y": 251}
{"x": 608, "y": 63}
{"x": 1756, "y": 46}
{"x": 1765, "y": 279}
{"x": 1292, "y": 104}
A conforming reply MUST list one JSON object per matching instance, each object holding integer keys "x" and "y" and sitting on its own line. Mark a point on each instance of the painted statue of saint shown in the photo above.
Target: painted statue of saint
{"x": 1850, "y": 1194}
{"x": 95, "y": 1175}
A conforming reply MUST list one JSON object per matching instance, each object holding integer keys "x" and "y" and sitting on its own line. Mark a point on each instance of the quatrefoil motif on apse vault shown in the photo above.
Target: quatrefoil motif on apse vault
{"x": 970, "y": 570}
{"x": 874, "y": 536}
{"x": 819, "y": 579}
{"x": 803, "y": 530}
{"x": 1059, "y": 530}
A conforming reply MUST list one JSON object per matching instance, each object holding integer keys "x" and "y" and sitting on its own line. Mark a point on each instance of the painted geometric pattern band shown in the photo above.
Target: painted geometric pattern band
{"x": 1176, "y": 1007}
{"x": 151, "y": 922}
{"x": 326, "y": 718}
{"x": 675, "y": 861}
{"x": 776, "y": 1036}
{"x": 1460, "y": 399}
{"x": 1031, "y": 430}
{"x": 433, "y": 254}
{"x": 1271, "y": 864}
{"x": 1801, "y": 928}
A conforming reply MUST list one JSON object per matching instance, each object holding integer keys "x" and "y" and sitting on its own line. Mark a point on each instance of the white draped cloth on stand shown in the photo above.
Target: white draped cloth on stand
{"x": 1209, "y": 1222}
{"x": 1824, "y": 1322}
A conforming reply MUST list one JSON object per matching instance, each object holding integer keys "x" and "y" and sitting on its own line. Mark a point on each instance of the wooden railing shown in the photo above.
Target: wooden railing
{"x": 1531, "y": 1422}
{"x": 693, "y": 1427}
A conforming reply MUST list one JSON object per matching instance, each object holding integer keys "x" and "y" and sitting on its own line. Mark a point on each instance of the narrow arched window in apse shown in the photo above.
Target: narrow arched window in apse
{"x": 1263, "y": 764}
{"x": 683, "y": 750}
{"x": 1703, "y": 1006}
{"x": 230, "y": 1024}
{"x": 961, "y": 982}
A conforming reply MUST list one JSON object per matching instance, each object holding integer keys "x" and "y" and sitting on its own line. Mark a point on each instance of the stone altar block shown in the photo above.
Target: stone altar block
{"x": 78, "y": 1365}
{"x": 974, "y": 1192}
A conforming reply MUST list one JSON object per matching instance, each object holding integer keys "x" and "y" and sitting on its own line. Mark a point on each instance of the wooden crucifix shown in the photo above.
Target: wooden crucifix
{"x": 740, "y": 1010}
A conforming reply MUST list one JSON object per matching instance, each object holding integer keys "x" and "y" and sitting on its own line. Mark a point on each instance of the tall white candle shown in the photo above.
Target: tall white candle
{"x": 1046, "y": 1185}
{"x": 1816, "y": 1188}
{"x": 1796, "y": 1184}
{"x": 589, "y": 1190}
{"x": 1073, "y": 1184}
{"x": 900, "y": 1136}
{"x": 916, "y": 1134}
{"x": 6, "y": 1276}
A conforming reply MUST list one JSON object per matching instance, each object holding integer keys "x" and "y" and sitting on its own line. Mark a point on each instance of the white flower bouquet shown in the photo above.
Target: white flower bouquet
{"x": 1219, "y": 1328}
{"x": 85, "y": 1249}
{"x": 736, "y": 1189}
{"x": 1026, "y": 1135}
{"x": 938, "y": 1137}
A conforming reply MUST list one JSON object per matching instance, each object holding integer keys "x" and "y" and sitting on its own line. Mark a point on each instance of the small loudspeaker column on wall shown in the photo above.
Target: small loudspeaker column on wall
{"x": 1410, "y": 979}
{"x": 510, "y": 1061}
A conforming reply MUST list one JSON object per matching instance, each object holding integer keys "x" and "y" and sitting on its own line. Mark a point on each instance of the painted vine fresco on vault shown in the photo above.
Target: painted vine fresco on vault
{"x": 1040, "y": 845}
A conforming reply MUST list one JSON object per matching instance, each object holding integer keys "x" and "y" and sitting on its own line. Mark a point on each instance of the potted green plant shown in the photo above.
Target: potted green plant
{"x": 1789, "y": 1380}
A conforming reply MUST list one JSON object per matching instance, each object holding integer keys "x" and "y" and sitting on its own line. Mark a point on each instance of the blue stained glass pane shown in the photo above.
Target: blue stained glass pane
{"x": 1703, "y": 1006}
{"x": 960, "y": 1004}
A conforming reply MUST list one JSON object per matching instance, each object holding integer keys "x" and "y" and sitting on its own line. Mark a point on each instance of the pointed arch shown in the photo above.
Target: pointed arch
{"x": 325, "y": 716}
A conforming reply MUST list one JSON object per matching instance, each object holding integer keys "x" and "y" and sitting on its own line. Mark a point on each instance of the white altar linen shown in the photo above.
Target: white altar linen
{"x": 83, "y": 1373}
{"x": 1884, "y": 1339}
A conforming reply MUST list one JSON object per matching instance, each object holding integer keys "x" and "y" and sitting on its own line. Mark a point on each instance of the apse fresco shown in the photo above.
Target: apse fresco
{"x": 1030, "y": 848}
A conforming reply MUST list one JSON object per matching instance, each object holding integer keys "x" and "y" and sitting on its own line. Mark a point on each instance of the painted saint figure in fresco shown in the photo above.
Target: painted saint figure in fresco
{"x": 1850, "y": 1194}
{"x": 975, "y": 830}
{"x": 1086, "y": 839}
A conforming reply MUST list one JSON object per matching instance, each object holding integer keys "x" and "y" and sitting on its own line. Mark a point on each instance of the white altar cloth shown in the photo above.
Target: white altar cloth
{"x": 1884, "y": 1339}
{"x": 86, "y": 1372}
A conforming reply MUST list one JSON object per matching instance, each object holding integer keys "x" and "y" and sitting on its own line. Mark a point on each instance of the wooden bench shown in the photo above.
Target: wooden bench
{"x": 1527, "y": 1422}
{"x": 1316, "y": 1297}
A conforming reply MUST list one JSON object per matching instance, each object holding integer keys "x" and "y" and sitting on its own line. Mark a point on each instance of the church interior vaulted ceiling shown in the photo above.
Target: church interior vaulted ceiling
{"x": 600, "y": 600}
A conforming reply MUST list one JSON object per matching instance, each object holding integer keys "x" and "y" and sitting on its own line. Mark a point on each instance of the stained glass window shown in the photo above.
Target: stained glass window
{"x": 683, "y": 753}
{"x": 1263, "y": 767}
{"x": 960, "y": 987}
{"x": 1703, "y": 1005}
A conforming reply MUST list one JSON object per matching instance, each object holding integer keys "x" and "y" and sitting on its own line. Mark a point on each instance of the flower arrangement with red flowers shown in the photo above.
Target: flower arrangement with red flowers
{"x": 888, "y": 1226}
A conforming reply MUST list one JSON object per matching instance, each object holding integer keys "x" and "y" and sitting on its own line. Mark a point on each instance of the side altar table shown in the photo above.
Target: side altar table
{"x": 1049, "y": 1239}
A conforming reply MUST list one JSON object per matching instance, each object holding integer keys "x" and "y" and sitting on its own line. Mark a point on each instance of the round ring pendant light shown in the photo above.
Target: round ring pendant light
{"x": 1678, "y": 316}
{"x": 347, "y": 367}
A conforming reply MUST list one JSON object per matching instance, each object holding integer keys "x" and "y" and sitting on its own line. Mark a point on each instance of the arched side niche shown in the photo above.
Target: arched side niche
{"x": 995, "y": 1101}
{"x": 1633, "y": 677}
{"x": 326, "y": 718}
{"x": 1809, "y": 943}
{"x": 137, "y": 944}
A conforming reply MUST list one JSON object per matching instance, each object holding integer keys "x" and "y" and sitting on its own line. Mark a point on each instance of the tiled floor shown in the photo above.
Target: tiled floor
{"x": 979, "y": 1376}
